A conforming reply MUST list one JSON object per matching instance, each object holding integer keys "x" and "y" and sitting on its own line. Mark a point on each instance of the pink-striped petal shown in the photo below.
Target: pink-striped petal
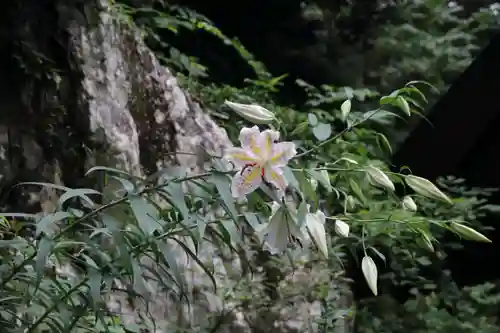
{"x": 246, "y": 181}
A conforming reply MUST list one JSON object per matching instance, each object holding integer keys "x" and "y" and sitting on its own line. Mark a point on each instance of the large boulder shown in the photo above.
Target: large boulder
{"x": 80, "y": 89}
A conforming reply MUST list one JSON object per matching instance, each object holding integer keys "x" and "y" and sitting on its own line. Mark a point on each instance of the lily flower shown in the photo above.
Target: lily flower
{"x": 259, "y": 158}
{"x": 315, "y": 223}
{"x": 283, "y": 225}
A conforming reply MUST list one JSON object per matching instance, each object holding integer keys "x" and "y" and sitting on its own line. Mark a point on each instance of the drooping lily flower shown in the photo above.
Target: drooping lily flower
{"x": 315, "y": 223}
{"x": 259, "y": 158}
{"x": 281, "y": 227}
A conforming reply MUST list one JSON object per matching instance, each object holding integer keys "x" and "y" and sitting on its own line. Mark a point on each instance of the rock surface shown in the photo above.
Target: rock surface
{"x": 110, "y": 102}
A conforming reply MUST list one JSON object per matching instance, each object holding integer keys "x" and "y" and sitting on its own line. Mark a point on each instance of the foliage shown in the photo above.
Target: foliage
{"x": 436, "y": 301}
{"x": 96, "y": 242}
{"x": 452, "y": 310}
{"x": 428, "y": 40}
{"x": 59, "y": 269}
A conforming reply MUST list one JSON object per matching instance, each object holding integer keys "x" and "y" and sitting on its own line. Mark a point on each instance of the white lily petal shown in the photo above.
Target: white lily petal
{"x": 240, "y": 157}
{"x": 249, "y": 138}
{"x": 315, "y": 225}
{"x": 266, "y": 143}
{"x": 282, "y": 152}
{"x": 246, "y": 181}
{"x": 275, "y": 176}
{"x": 260, "y": 150}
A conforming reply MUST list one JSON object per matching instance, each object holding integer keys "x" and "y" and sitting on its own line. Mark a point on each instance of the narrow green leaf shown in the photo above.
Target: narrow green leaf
{"x": 223, "y": 186}
{"x": 252, "y": 219}
{"x": 232, "y": 230}
{"x": 44, "y": 250}
{"x": 177, "y": 199}
{"x": 42, "y": 184}
{"x": 383, "y": 142}
{"x": 81, "y": 193}
{"x": 402, "y": 104}
{"x": 322, "y": 177}
{"x": 95, "y": 280}
{"x": 139, "y": 284}
{"x": 118, "y": 239}
{"x": 127, "y": 185}
{"x": 306, "y": 187}
{"x": 168, "y": 254}
{"x": 301, "y": 214}
{"x": 146, "y": 214}
{"x": 198, "y": 261}
{"x": 300, "y": 128}
{"x": 107, "y": 169}
{"x": 290, "y": 178}
{"x": 47, "y": 222}
{"x": 20, "y": 216}
{"x": 357, "y": 191}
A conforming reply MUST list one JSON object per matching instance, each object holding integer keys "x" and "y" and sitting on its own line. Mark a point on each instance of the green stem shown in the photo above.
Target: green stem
{"x": 335, "y": 137}
{"x": 54, "y": 306}
{"x": 18, "y": 268}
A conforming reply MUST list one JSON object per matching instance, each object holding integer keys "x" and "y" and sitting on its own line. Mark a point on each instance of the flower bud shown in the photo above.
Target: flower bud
{"x": 315, "y": 224}
{"x": 370, "y": 272}
{"x": 341, "y": 228}
{"x": 252, "y": 112}
{"x": 425, "y": 242}
{"x": 378, "y": 178}
{"x": 468, "y": 233}
{"x": 314, "y": 184}
{"x": 350, "y": 203}
{"x": 409, "y": 204}
{"x": 426, "y": 188}
{"x": 345, "y": 108}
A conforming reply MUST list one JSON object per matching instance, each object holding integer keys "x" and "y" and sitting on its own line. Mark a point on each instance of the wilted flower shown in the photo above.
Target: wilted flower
{"x": 315, "y": 224}
{"x": 409, "y": 204}
{"x": 252, "y": 112}
{"x": 341, "y": 228}
{"x": 282, "y": 224}
{"x": 260, "y": 157}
